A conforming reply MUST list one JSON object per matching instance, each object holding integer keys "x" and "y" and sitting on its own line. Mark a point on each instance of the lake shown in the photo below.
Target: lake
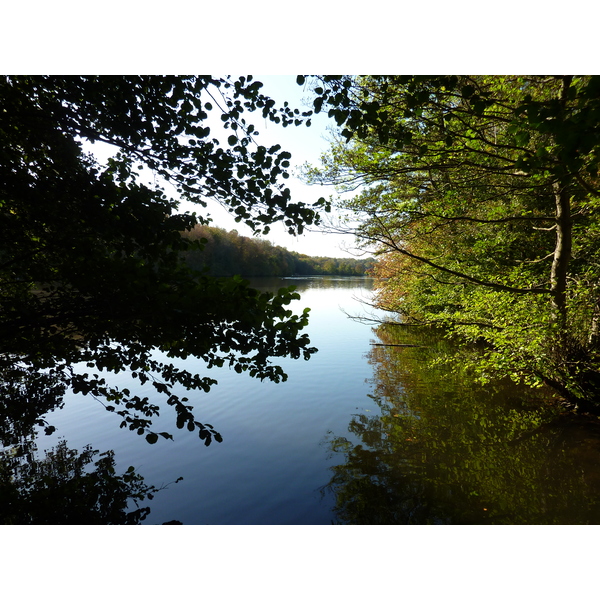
{"x": 370, "y": 430}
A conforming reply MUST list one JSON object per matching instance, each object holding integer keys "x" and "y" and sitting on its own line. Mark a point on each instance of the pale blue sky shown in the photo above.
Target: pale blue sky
{"x": 306, "y": 144}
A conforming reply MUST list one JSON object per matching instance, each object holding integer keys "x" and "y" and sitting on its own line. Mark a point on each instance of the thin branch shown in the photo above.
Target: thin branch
{"x": 474, "y": 220}
{"x": 496, "y": 286}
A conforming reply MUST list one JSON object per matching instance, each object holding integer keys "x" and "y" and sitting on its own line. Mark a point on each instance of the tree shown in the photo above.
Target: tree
{"x": 91, "y": 269}
{"x": 225, "y": 254}
{"x": 481, "y": 194}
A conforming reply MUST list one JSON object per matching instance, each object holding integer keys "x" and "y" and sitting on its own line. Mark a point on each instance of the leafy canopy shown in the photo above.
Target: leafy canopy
{"x": 91, "y": 269}
{"x": 481, "y": 194}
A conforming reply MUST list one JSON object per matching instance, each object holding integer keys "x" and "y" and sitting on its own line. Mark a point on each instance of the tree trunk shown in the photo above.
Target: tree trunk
{"x": 594, "y": 337}
{"x": 564, "y": 227}
{"x": 562, "y": 256}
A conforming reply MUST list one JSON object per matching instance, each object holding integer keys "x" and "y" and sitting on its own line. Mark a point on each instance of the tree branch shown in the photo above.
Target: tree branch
{"x": 496, "y": 286}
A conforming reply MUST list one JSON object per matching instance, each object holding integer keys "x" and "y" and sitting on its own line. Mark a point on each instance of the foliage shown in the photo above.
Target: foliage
{"x": 481, "y": 194}
{"x": 90, "y": 257}
{"x": 225, "y": 254}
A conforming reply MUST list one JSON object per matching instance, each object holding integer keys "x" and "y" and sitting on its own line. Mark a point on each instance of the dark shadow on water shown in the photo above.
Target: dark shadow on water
{"x": 69, "y": 487}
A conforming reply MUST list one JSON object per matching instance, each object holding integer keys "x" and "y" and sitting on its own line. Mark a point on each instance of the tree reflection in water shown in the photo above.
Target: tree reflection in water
{"x": 64, "y": 486}
{"x": 443, "y": 451}
{"x": 67, "y": 487}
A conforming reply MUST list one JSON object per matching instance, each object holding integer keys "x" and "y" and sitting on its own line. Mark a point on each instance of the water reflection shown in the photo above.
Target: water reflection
{"x": 62, "y": 485}
{"x": 445, "y": 452}
{"x": 266, "y": 471}
{"x": 25, "y": 399}
{"x": 68, "y": 487}
{"x": 303, "y": 283}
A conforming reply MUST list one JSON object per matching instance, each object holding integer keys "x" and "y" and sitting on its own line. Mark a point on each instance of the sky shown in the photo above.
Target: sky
{"x": 306, "y": 144}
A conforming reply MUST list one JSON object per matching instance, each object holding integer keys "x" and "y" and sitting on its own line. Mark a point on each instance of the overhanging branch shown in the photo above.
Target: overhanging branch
{"x": 388, "y": 241}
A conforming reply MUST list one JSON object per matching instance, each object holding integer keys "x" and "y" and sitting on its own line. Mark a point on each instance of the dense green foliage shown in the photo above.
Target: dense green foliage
{"x": 225, "y": 254}
{"x": 482, "y": 196}
{"x": 91, "y": 272}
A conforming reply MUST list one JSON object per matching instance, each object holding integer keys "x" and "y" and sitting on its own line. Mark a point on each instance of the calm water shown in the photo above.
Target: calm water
{"x": 360, "y": 434}
{"x": 273, "y": 459}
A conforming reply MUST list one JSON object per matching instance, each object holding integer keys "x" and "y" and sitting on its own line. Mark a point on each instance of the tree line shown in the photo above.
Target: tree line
{"x": 224, "y": 253}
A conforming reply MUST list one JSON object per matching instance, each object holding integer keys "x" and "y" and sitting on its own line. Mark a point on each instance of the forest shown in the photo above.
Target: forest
{"x": 478, "y": 196}
{"x": 223, "y": 254}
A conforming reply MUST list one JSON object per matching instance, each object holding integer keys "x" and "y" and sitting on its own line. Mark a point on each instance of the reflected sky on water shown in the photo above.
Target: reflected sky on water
{"x": 359, "y": 434}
